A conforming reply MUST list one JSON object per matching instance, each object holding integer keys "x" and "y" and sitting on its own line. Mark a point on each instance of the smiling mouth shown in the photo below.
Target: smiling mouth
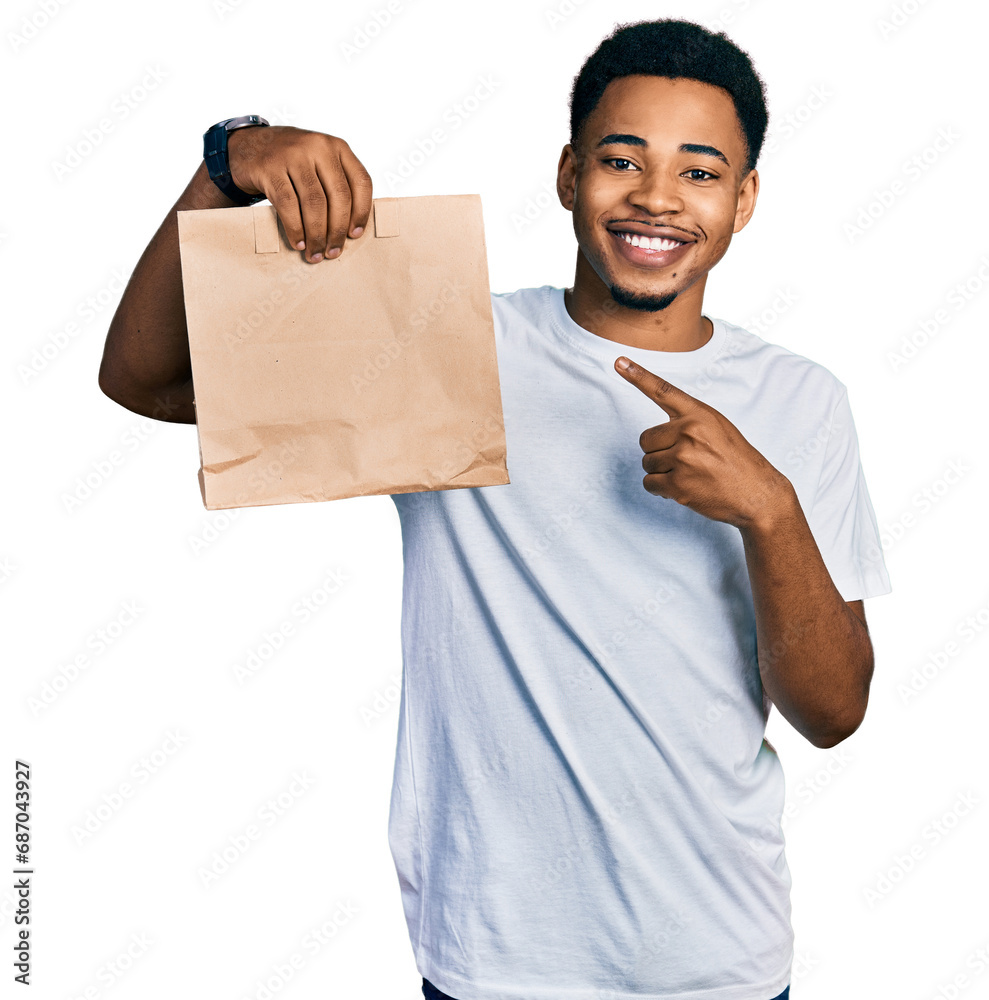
{"x": 651, "y": 252}
{"x": 651, "y": 242}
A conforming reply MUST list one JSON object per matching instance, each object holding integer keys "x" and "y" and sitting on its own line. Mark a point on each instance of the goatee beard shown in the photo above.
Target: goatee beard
{"x": 644, "y": 303}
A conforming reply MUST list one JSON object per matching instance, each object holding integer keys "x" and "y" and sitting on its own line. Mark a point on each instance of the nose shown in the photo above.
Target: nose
{"x": 656, "y": 192}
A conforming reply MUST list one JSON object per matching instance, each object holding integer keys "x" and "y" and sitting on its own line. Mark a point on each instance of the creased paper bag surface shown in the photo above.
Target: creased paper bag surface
{"x": 372, "y": 373}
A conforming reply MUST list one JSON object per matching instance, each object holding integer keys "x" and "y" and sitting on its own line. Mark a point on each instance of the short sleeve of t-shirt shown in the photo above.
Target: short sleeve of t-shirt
{"x": 842, "y": 518}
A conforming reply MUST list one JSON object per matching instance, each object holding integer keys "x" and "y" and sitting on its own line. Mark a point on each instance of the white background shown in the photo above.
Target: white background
{"x": 325, "y": 705}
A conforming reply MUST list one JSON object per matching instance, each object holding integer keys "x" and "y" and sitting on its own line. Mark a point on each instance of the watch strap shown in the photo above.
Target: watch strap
{"x": 215, "y": 155}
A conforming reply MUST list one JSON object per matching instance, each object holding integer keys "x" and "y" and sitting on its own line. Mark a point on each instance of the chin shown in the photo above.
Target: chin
{"x": 644, "y": 302}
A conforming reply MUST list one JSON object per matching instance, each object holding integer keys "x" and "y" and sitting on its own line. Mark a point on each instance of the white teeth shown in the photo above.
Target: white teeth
{"x": 650, "y": 243}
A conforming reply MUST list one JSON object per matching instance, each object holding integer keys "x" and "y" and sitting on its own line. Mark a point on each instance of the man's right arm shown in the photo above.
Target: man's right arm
{"x": 320, "y": 191}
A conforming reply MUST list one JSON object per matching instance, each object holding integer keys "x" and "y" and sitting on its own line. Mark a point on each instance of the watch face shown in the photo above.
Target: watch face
{"x": 243, "y": 120}
{"x": 229, "y": 124}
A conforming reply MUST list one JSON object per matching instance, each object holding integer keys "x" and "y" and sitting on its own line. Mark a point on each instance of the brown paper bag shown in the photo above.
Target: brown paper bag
{"x": 373, "y": 373}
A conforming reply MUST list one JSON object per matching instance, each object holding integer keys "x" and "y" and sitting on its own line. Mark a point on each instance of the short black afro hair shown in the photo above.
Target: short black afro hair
{"x": 674, "y": 49}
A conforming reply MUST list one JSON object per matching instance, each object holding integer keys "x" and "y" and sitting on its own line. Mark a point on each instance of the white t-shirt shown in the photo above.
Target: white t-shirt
{"x": 584, "y": 807}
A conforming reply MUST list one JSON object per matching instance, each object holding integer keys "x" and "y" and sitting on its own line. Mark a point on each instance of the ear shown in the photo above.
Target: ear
{"x": 566, "y": 177}
{"x": 747, "y": 195}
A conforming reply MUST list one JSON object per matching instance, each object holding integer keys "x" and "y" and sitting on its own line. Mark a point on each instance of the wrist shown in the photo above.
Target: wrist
{"x": 216, "y": 156}
{"x": 773, "y": 505}
{"x": 241, "y": 150}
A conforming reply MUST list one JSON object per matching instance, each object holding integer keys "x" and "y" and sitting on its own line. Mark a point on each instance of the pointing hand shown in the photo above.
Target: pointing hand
{"x": 699, "y": 457}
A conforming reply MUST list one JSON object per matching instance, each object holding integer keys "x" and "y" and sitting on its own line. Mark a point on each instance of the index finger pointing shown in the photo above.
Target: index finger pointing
{"x": 666, "y": 395}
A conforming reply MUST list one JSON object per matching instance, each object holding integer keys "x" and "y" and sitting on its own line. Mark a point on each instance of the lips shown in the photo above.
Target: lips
{"x": 650, "y": 242}
{"x": 658, "y": 246}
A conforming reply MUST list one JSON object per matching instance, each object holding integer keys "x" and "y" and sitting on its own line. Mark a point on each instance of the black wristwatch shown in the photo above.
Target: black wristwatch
{"x": 215, "y": 155}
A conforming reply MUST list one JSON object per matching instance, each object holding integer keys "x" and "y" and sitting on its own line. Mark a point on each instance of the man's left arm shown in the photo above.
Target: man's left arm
{"x": 814, "y": 651}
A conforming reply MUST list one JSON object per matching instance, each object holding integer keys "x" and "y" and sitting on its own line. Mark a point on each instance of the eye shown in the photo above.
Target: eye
{"x": 697, "y": 170}
{"x": 618, "y": 159}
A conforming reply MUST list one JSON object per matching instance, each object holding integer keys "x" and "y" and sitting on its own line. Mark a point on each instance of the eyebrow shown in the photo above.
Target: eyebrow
{"x": 624, "y": 139}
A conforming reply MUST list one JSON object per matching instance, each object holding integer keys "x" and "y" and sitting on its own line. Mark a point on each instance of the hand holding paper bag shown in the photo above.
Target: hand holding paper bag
{"x": 319, "y": 188}
{"x": 321, "y": 193}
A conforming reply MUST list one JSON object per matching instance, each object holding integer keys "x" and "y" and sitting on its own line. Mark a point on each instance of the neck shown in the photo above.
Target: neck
{"x": 678, "y": 327}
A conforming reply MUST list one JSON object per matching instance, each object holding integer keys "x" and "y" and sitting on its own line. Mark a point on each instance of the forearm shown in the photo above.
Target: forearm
{"x": 146, "y": 364}
{"x": 815, "y": 655}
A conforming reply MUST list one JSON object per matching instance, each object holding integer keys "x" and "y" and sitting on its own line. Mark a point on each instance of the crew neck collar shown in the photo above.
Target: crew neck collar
{"x": 603, "y": 350}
